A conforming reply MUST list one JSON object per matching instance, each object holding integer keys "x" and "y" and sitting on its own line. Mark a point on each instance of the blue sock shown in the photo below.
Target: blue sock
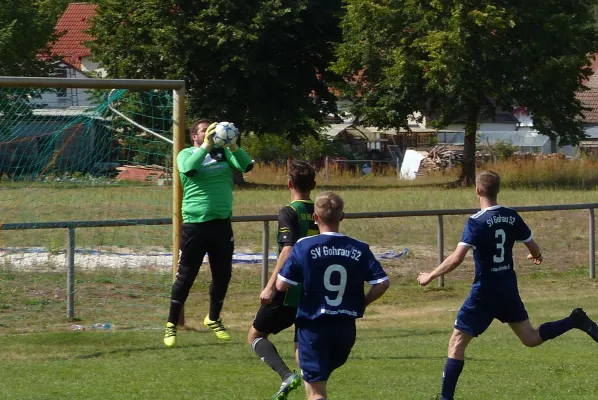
{"x": 550, "y": 330}
{"x": 452, "y": 370}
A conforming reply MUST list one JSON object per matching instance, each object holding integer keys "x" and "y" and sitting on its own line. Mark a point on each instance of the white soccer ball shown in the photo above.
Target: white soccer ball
{"x": 225, "y": 133}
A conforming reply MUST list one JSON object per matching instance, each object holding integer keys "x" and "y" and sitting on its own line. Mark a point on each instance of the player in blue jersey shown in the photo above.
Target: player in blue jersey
{"x": 492, "y": 233}
{"x": 332, "y": 268}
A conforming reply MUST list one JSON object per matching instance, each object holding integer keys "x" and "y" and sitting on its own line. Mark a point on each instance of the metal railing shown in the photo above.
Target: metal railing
{"x": 266, "y": 219}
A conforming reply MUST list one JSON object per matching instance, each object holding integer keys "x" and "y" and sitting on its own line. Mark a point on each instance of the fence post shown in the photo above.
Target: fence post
{"x": 70, "y": 276}
{"x": 592, "y": 244}
{"x": 398, "y": 170}
{"x": 265, "y": 248}
{"x": 440, "y": 247}
{"x": 326, "y": 167}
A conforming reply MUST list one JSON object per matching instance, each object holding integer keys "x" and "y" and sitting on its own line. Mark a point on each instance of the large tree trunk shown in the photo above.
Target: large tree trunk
{"x": 467, "y": 177}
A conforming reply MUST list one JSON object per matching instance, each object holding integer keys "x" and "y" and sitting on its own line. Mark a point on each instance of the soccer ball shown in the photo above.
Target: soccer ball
{"x": 225, "y": 133}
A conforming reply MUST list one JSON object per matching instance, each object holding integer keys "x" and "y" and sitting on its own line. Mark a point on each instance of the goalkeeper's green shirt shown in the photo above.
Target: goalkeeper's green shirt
{"x": 207, "y": 179}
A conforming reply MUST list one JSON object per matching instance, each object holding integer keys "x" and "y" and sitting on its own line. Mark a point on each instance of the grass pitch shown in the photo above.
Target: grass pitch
{"x": 399, "y": 354}
{"x": 401, "y": 346}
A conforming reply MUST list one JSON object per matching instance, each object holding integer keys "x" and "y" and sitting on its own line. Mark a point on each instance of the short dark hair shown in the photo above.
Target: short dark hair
{"x": 488, "y": 184}
{"x": 195, "y": 126}
{"x": 303, "y": 176}
{"x": 330, "y": 207}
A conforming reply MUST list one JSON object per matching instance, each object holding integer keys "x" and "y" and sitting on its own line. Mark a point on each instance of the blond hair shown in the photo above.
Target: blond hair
{"x": 329, "y": 207}
{"x": 488, "y": 184}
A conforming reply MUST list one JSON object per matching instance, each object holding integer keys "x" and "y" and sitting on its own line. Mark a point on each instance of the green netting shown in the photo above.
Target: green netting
{"x": 79, "y": 155}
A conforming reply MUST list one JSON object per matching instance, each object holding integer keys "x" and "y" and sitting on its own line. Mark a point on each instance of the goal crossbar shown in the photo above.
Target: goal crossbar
{"x": 91, "y": 83}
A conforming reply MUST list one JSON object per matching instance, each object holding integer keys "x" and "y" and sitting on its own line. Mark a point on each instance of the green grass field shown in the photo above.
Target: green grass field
{"x": 402, "y": 341}
{"x": 399, "y": 353}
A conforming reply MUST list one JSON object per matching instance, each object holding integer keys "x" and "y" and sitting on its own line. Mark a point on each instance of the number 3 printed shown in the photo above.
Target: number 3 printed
{"x": 340, "y": 288}
{"x": 502, "y": 237}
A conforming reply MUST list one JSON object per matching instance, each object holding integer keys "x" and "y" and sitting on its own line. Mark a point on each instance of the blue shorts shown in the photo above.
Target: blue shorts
{"x": 479, "y": 310}
{"x": 324, "y": 345}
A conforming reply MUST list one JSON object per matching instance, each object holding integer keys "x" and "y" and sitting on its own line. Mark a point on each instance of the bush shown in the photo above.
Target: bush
{"x": 504, "y": 149}
{"x": 271, "y": 148}
{"x": 267, "y": 148}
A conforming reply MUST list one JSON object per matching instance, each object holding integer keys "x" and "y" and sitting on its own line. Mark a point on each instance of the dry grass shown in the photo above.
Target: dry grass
{"x": 545, "y": 173}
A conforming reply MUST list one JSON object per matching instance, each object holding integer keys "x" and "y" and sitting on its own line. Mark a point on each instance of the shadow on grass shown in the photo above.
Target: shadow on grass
{"x": 133, "y": 350}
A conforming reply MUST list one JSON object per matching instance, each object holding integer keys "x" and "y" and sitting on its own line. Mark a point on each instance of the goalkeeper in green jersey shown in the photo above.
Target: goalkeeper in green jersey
{"x": 207, "y": 179}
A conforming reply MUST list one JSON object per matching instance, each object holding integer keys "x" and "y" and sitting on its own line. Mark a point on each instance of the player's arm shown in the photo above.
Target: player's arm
{"x": 237, "y": 157}
{"x": 447, "y": 266}
{"x": 376, "y": 291}
{"x": 268, "y": 292}
{"x": 524, "y": 235}
{"x": 189, "y": 163}
{"x": 288, "y": 234}
{"x": 291, "y": 273}
{"x": 376, "y": 277}
{"x": 284, "y": 285}
{"x": 534, "y": 252}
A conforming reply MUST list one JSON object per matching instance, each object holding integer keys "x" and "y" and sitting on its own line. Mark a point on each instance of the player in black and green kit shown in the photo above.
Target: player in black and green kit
{"x": 279, "y": 309}
{"x": 207, "y": 179}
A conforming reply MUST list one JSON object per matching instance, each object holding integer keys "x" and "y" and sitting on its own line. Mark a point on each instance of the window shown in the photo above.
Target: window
{"x": 60, "y": 72}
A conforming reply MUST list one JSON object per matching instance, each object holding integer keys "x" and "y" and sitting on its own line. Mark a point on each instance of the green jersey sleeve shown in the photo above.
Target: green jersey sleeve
{"x": 239, "y": 160}
{"x": 191, "y": 159}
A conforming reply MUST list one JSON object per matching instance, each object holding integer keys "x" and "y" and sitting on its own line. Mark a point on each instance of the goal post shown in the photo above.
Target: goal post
{"x": 18, "y": 92}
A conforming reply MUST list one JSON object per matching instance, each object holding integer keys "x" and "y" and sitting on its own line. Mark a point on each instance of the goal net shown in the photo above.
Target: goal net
{"x": 93, "y": 164}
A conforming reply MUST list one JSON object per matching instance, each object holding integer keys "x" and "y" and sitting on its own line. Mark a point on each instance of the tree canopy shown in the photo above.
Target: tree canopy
{"x": 261, "y": 64}
{"x": 461, "y": 59}
{"x": 25, "y": 32}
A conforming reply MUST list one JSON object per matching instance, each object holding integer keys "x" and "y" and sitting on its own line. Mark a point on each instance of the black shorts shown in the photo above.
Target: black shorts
{"x": 275, "y": 317}
{"x": 214, "y": 237}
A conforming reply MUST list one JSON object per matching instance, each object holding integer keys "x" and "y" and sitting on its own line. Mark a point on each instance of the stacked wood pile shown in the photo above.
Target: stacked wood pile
{"x": 440, "y": 158}
{"x": 521, "y": 156}
{"x": 140, "y": 173}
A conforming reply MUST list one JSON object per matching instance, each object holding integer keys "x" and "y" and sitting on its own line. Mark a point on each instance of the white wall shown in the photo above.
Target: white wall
{"x": 71, "y": 97}
{"x": 87, "y": 65}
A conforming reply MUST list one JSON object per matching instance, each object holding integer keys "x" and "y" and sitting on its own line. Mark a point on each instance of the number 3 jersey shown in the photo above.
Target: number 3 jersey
{"x": 492, "y": 233}
{"x": 332, "y": 268}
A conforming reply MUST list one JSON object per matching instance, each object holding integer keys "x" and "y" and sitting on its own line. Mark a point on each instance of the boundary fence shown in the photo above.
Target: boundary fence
{"x": 266, "y": 219}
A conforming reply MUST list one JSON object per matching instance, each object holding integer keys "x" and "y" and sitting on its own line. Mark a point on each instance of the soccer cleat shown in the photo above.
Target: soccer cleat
{"x": 170, "y": 335}
{"x": 217, "y": 327}
{"x": 287, "y": 386}
{"x": 582, "y": 322}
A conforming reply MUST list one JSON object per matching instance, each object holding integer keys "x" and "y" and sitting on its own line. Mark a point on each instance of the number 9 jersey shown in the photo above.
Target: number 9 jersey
{"x": 332, "y": 268}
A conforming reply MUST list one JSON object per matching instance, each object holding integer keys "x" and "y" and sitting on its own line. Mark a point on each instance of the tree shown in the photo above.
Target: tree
{"x": 260, "y": 64}
{"x": 464, "y": 59}
{"x": 25, "y": 34}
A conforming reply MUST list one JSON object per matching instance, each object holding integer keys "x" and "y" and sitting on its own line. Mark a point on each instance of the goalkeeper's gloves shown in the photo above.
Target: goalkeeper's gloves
{"x": 208, "y": 140}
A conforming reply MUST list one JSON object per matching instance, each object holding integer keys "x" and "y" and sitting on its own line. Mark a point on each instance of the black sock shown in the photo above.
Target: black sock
{"x": 551, "y": 330}
{"x": 215, "y": 308}
{"x": 175, "y": 311}
{"x": 268, "y": 353}
{"x": 452, "y": 370}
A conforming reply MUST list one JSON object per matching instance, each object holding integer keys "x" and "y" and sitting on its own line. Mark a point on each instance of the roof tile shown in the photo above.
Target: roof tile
{"x": 589, "y": 99}
{"x": 72, "y": 25}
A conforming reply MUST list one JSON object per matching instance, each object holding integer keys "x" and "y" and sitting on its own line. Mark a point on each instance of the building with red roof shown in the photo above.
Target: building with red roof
{"x": 75, "y": 57}
{"x": 72, "y": 27}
